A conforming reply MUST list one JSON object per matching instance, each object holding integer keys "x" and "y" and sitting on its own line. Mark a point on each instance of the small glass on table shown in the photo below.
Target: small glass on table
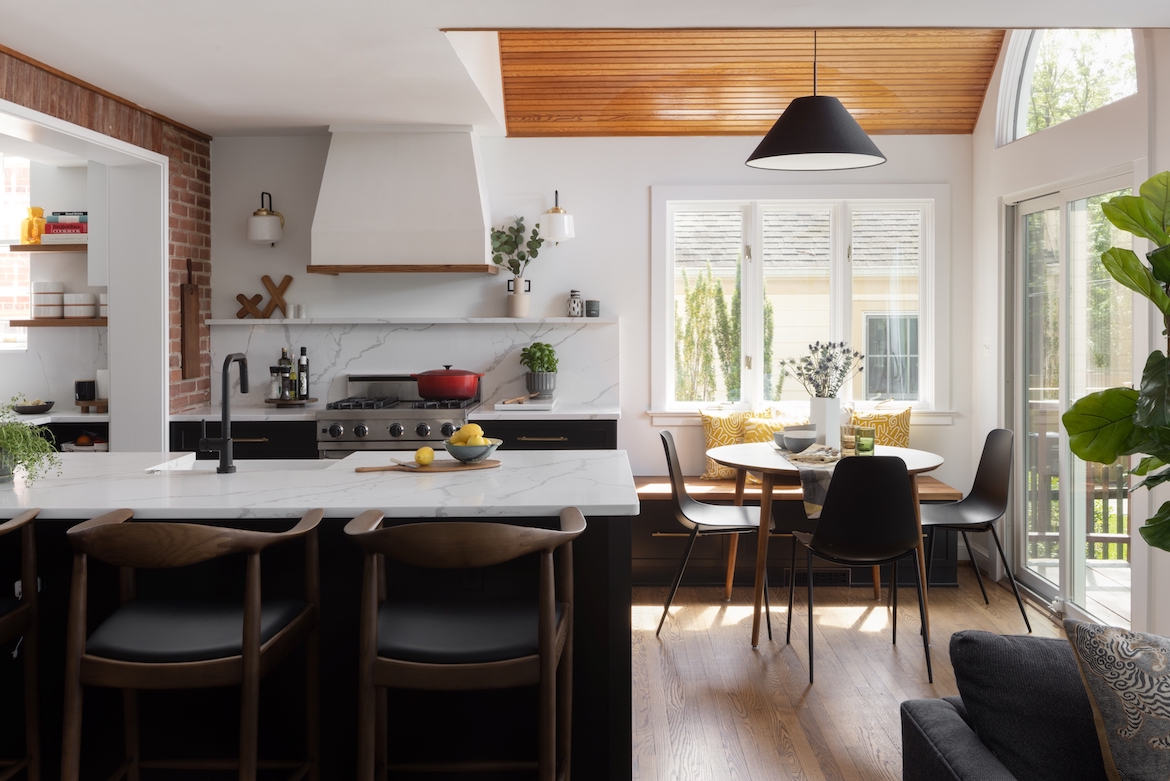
{"x": 864, "y": 438}
{"x": 848, "y": 440}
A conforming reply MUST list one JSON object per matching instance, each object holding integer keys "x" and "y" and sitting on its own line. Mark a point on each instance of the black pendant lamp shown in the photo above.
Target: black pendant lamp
{"x": 815, "y": 133}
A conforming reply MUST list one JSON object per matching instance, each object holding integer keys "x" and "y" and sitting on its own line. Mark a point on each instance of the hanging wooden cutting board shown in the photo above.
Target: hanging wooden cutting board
{"x": 189, "y": 326}
{"x": 437, "y": 466}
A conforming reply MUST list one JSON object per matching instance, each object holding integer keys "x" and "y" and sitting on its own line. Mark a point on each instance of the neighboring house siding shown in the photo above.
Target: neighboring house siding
{"x": 39, "y": 87}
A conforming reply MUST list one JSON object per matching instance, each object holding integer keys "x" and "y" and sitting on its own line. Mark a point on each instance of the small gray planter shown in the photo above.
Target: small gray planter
{"x": 541, "y": 383}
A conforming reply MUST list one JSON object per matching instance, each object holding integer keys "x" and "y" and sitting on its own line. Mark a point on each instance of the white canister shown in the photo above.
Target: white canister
{"x": 48, "y": 287}
{"x": 103, "y": 383}
{"x": 80, "y": 298}
{"x": 48, "y": 299}
{"x": 103, "y": 310}
{"x": 80, "y": 311}
{"x": 48, "y": 311}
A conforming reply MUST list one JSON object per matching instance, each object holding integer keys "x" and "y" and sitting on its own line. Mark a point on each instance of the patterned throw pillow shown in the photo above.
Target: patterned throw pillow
{"x": 890, "y": 428}
{"x": 725, "y": 428}
{"x": 1127, "y": 676}
{"x": 761, "y": 429}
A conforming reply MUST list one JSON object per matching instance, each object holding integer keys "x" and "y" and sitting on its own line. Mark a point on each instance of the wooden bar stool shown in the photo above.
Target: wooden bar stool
{"x": 183, "y": 644}
{"x": 18, "y": 618}
{"x": 454, "y": 646}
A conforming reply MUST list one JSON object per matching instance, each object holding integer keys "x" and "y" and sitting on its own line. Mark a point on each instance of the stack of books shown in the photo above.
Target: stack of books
{"x": 66, "y": 228}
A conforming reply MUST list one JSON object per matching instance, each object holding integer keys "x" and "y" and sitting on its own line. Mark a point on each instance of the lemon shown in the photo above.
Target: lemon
{"x": 477, "y": 441}
{"x": 424, "y": 456}
{"x": 471, "y": 430}
{"x": 459, "y": 437}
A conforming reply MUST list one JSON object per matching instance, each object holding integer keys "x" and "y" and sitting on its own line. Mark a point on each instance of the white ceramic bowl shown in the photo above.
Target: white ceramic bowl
{"x": 796, "y": 441}
{"x": 48, "y": 312}
{"x": 80, "y": 298}
{"x": 80, "y": 310}
{"x": 48, "y": 287}
{"x": 471, "y": 454}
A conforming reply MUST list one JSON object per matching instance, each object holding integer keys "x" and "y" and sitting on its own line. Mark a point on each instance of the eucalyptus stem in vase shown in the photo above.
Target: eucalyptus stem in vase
{"x": 510, "y": 250}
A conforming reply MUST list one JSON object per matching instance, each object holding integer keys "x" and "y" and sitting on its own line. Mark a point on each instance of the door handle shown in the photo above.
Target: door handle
{"x": 542, "y": 439}
{"x": 249, "y": 440}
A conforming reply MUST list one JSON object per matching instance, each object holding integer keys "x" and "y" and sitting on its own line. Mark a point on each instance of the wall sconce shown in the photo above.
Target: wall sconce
{"x": 265, "y": 225}
{"x": 557, "y": 223}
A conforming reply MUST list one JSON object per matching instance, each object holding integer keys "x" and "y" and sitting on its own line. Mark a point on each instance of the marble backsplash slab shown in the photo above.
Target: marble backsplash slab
{"x": 587, "y": 355}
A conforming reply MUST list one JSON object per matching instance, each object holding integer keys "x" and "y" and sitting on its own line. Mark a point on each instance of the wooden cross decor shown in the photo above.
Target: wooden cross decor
{"x": 251, "y": 306}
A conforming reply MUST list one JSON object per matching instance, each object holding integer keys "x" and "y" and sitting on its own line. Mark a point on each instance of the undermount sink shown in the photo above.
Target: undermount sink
{"x": 192, "y": 466}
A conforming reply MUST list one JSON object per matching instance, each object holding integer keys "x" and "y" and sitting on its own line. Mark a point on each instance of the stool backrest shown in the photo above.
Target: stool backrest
{"x": 869, "y": 507}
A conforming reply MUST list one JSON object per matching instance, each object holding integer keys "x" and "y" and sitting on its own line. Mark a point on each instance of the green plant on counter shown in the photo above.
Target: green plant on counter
{"x": 508, "y": 247}
{"x": 539, "y": 357}
{"x": 1125, "y": 421}
{"x": 24, "y": 446}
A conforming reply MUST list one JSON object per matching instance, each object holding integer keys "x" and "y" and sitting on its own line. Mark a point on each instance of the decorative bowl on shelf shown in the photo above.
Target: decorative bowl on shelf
{"x": 33, "y": 409}
{"x": 473, "y": 454}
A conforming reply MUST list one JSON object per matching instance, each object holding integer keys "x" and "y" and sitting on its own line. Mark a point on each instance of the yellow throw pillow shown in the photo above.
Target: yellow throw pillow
{"x": 890, "y": 428}
{"x": 721, "y": 428}
{"x": 760, "y": 429}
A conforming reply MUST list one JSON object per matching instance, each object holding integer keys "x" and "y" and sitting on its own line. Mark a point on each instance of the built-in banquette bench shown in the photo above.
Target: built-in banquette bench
{"x": 658, "y": 539}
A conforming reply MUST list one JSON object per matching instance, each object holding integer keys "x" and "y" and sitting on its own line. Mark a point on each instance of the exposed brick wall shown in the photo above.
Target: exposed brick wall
{"x": 42, "y": 88}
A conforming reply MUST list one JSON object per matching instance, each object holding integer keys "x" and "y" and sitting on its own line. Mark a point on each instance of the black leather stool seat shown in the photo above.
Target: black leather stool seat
{"x": 464, "y": 633}
{"x": 157, "y": 631}
{"x": 8, "y": 604}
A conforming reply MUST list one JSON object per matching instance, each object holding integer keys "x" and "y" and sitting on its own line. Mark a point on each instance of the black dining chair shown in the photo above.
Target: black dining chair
{"x": 703, "y": 520}
{"x": 19, "y": 619}
{"x": 980, "y": 508}
{"x": 868, "y": 520}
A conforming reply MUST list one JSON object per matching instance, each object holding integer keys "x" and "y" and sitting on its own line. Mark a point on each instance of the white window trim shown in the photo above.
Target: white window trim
{"x": 934, "y": 282}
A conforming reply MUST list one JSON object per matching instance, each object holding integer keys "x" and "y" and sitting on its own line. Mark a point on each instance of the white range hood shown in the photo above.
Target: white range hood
{"x": 402, "y": 195}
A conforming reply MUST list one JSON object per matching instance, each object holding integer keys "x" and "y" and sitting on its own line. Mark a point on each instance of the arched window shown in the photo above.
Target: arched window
{"x": 1066, "y": 73}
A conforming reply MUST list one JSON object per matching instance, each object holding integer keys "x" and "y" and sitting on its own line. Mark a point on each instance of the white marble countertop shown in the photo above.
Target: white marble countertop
{"x": 563, "y": 411}
{"x": 175, "y": 486}
{"x": 65, "y": 416}
{"x": 267, "y": 412}
{"x": 484, "y": 412}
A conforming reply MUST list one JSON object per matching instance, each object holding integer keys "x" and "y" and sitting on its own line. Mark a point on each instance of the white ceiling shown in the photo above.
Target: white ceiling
{"x": 230, "y": 67}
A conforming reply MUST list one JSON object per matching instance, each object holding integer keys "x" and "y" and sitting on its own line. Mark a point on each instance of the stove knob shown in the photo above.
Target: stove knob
{"x": 396, "y": 430}
{"x": 360, "y": 430}
{"x": 448, "y": 429}
{"x": 422, "y": 429}
{"x": 336, "y": 430}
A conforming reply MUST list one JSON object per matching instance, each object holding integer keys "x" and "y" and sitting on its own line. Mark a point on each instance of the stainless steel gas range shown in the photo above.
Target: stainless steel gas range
{"x": 385, "y": 412}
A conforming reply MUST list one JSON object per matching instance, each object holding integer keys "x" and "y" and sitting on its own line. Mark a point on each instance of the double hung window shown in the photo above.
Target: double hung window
{"x": 745, "y": 284}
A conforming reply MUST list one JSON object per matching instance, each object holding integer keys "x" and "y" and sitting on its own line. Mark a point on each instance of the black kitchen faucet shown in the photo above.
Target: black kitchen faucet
{"x": 224, "y": 444}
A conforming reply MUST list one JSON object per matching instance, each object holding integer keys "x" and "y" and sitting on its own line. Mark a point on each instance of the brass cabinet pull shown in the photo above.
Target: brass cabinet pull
{"x": 249, "y": 440}
{"x": 669, "y": 534}
{"x": 542, "y": 439}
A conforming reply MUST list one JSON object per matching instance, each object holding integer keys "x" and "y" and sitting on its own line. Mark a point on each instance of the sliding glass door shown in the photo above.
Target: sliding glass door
{"x": 1076, "y": 337}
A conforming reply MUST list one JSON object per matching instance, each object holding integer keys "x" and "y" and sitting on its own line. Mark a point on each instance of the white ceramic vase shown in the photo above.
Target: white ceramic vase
{"x": 518, "y": 303}
{"x": 826, "y": 415}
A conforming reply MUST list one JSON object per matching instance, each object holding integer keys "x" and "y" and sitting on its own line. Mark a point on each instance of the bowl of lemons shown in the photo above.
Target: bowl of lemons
{"x": 469, "y": 445}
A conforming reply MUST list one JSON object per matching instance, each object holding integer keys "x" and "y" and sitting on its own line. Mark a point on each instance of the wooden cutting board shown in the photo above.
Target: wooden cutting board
{"x": 436, "y": 466}
{"x": 189, "y": 324}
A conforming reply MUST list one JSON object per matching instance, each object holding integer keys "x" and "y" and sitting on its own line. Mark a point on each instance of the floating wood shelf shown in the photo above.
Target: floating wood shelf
{"x": 453, "y": 268}
{"x": 59, "y": 322}
{"x": 48, "y": 247}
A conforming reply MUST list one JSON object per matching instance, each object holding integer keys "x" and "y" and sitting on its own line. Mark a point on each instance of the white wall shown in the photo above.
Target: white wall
{"x": 605, "y": 184}
{"x": 56, "y": 357}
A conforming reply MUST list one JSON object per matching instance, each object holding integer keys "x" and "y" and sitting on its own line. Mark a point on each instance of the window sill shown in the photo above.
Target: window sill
{"x": 919, "y": 417}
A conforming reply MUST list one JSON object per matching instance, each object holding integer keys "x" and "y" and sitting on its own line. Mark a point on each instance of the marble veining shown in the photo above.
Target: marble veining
{"x": 176, "y": 486}
{"x": 588, "y": 370}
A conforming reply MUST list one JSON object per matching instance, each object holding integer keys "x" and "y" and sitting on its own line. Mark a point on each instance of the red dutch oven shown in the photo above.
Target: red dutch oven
{"x": 447, "y": 383}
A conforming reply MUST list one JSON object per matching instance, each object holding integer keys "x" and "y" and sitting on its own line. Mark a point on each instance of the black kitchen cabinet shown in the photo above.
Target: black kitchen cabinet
{"x": 553, "y": 434}
{"x": 252, "y": 438}
{"x": 68, "y": 432}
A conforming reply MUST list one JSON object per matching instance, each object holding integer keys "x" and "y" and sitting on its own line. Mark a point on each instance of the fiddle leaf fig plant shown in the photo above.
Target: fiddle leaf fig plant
{"x": 511, "y": 251}
{"x": 24, "y": 446}
{"x": 1123, "y": 421}
{"x": 539, "y": 357}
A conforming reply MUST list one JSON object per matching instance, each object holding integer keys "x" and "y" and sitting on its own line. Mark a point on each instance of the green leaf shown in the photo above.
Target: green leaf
{"x": 1156, "y": 532}
{"x": 1160, "y": 263}
{"x": 1100, "y": 424}
{"x": 1124, "y": 266}
{"x": 1153, "y": 407}
{"x": 1155, "y": 479}
{"x": 1146, "y": 465}
{"x": 1156, "y": 193}
{"x": 1132, "y": 213}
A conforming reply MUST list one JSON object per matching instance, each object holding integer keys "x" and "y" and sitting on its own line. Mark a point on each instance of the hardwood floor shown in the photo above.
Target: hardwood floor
{"x": 707, "y": 707}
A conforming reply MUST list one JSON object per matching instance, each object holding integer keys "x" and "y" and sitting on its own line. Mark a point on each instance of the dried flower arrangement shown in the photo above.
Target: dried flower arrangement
{"x": 826, "y": 368}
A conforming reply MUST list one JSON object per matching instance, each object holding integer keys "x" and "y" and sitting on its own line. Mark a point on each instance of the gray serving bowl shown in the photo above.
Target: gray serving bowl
{"x": 33, "y": 409}
{"x": 796, "y": 441}
{"x": 471, "y": 454}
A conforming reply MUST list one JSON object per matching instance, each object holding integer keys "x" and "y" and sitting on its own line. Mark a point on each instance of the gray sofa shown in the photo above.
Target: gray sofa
{"x": 1022, "y": 715}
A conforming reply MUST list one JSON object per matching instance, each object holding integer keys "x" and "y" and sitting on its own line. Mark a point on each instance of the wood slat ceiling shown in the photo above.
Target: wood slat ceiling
{"x": 736, "y": 82}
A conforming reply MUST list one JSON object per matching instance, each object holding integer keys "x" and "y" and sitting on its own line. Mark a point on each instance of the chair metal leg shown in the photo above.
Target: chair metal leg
{"x": 682, "y": 565}
{"x": 130, "y": 721}
{"x": 975, "y": 564}
{"x": 1011, "y": 578}
{"x": 934, "y": 530}
{"x": 810, "y": 617}
{"x": 767, "y": 607}
{"x": 922, "y": 617}
{"x": 791, "y": 591}
{"x": 894, "y": 597}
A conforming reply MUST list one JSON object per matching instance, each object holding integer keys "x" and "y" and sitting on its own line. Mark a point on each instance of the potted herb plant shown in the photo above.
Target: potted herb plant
{"x": 823, "y": 372}
{"x": 24, "y": 446}
{"x": 541, "y": 360}
{"x": 510, "y": 250}
{"x": 1126, "y": 421}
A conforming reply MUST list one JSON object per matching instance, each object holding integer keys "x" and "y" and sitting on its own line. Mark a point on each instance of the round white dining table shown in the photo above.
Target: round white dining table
{"x": 769, "y": 461}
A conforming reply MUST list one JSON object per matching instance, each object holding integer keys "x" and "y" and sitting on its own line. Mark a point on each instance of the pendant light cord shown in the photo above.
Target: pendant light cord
{"x": 814, "y": 63}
